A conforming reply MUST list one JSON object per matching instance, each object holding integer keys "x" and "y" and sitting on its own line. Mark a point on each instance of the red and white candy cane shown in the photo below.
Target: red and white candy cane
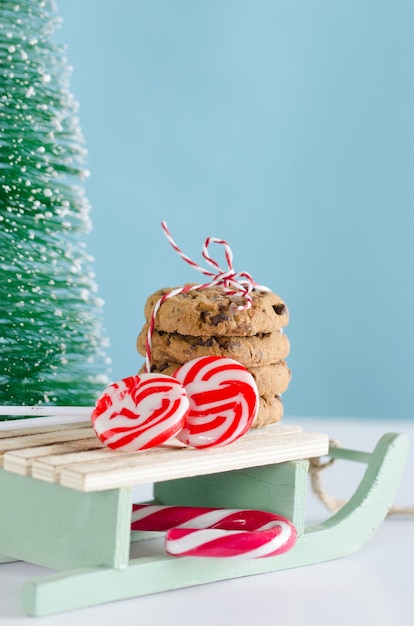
{"x": 218, "y": 533}
{"x": 224, "y": 401}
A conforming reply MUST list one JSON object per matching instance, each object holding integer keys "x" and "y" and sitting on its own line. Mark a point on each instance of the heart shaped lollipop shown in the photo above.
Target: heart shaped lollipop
{"x": 140, "y": 412}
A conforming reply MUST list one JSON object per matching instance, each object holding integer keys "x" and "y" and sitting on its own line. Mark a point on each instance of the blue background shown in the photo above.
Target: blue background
{"x": 285, "y": 128}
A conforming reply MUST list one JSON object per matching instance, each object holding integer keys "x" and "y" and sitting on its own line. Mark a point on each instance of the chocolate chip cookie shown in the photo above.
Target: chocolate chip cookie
{"x": 210, "y": 312}
{"x": 252, "y": 351}
{"x": 270, "y": 411}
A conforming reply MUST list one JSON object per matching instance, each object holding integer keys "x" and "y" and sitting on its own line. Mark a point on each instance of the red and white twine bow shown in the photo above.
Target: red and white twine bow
{"x": 234, "y": 283}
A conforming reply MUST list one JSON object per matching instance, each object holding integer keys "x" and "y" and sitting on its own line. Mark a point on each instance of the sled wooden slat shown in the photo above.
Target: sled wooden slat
{"x": 76, "y": 459}
{"x": 50, "y": 468}
{"x": 55, "y": 449}
{"x": 44, "y": 439}
{"x": 170, "y": 464}
{"x": 37, "y": 430}
{"x": 21, "y": 461}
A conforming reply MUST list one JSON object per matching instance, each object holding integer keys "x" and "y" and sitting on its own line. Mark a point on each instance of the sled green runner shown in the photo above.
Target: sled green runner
{"x": 66, "y": 504}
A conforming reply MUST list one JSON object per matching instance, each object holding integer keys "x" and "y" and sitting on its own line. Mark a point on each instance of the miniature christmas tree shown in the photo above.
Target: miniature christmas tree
{"x": 52, "y": 348}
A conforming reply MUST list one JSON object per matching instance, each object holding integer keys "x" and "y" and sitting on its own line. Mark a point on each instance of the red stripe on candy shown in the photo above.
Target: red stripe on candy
{"x": 143, "y": 412}
{"x": 197, "y": 366}
{"x": 217, "y": 533}
{"x": 218, "y": 388}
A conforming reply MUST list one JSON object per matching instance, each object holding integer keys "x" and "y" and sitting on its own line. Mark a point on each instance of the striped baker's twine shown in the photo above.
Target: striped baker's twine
{"x": 240, "y": 283}
{"x": 233, "y": 283}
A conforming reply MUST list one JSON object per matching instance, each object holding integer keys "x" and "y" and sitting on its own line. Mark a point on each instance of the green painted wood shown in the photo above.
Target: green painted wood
{"x": 349, "y": 455}
{"x": 6, "y": 559}
{"x": 61, "y": 528}
{"x": 343, "y": 533}
{"x": 279, "y": 488}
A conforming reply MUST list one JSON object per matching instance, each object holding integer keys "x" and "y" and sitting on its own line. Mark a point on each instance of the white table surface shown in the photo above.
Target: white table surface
{"x": 373, "y": 586}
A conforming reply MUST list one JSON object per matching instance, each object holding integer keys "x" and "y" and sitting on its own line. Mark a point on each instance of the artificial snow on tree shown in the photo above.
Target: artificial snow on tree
{"x": 52, "y": 347}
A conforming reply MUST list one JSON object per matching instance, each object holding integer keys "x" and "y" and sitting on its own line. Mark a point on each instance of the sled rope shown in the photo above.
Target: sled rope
{"x": 333, "y": 504}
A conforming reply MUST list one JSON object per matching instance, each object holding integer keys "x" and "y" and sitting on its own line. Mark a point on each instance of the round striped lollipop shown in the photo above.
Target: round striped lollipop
{"x": 140, "y": 412}
{"x": 224, "y": 401}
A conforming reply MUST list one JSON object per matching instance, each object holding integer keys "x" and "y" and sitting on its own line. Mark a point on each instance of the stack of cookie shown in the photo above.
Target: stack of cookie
{"x": 202, "y": 323}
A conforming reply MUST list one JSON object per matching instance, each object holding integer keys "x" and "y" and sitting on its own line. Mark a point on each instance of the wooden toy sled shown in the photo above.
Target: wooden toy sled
{"x": 65, "y": 503}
